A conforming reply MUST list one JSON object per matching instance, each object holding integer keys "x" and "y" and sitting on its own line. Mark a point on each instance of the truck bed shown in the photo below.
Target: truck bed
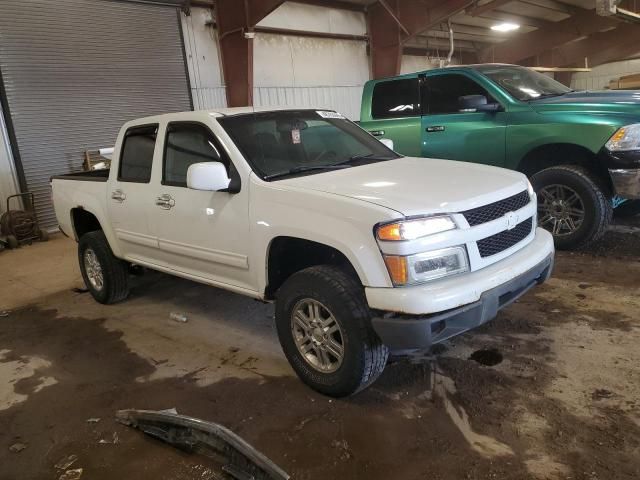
{"x": 90, "y": 176}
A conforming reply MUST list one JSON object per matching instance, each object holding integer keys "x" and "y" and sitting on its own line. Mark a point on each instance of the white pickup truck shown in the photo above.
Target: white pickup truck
{"x": 364, "y": 252}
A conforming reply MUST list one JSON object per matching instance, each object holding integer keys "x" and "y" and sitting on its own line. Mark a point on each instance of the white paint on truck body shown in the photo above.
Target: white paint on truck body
{"x": 223, "y": 239}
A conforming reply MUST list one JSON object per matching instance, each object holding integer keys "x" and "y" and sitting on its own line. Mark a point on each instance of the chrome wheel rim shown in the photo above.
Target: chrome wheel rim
{"x": 560, "y": 210}
{"x": 317, "y": 335}
{"x": 93, "y": 269}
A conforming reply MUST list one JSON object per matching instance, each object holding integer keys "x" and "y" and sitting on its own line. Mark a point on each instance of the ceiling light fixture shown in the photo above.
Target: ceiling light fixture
{"x": 505, "y": 27}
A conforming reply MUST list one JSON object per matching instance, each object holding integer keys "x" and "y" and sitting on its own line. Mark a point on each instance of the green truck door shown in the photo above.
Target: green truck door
{"x": 395, "y": 113}
{"x": 447, "y": 132}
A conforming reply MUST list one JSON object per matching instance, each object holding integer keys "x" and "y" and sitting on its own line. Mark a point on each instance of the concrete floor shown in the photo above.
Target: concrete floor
{"x": 562, "y": 401}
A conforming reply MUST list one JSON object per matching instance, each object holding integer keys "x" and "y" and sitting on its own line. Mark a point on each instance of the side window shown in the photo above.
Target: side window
{"x": 136, "y": 157}
{"x": 396, "y": 98}
{"x": 444, "y": 91}
{"x": 186, "y": 144}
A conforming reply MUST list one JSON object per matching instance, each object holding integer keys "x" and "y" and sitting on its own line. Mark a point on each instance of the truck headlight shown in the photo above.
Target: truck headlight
{"x": 625, "y": 138}
{"x": 412, "y": 229}
{"x": 427, "y": 266}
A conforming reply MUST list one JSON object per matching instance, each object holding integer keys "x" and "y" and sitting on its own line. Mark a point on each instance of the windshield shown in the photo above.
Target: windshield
{"x": 523, "y": 83}
{"x": 290, "y": 142}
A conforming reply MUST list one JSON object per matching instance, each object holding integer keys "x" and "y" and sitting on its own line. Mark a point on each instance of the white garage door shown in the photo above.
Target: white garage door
{"x": 74, "y": 70}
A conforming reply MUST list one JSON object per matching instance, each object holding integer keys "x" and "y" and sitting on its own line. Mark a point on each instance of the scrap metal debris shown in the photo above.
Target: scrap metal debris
{"x": 93, "y": 420}
{"x": 17, "y": 447}
{"x": 114, "y": 439}
{"x": 4, "y": 313}
{"x": 74, "y": 474}
{"x": 207, "y": 438}
{"x": 178, "y": 317}
{"x": 66, "y": 462}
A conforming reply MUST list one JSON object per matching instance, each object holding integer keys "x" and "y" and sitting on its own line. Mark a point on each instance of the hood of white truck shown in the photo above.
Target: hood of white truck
{"x": 417, "y": 186}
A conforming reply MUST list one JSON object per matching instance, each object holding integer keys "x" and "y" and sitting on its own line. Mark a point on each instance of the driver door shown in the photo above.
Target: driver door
{"x": 449, "y": 133}
{"x": 203, "y": 234}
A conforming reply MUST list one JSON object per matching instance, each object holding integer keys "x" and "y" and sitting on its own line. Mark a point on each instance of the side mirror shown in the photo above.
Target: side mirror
{"x": 209, "y": 176}
{"x": 387, "y": 142}
{"x": 477, "y": 103}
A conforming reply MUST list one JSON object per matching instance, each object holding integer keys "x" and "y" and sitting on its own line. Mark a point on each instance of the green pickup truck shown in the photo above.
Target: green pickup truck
{"x": 581, "y": 150}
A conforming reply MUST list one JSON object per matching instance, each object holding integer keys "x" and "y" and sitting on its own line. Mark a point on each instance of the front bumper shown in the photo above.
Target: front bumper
{"x": 413, "y": 324}
{"x": 624, "y": 170}
{"x": 626, "y": 182}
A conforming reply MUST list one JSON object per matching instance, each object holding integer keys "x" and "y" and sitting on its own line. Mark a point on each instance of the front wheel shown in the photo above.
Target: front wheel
{"x": 571, "y": 205}
{"x": 105, "y": 276}
{"x": 324, "y": 328}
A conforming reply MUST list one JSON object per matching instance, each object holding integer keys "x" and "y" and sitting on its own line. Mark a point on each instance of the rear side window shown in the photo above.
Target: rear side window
{"x": 186, "y": 144}
{"x": 445, "y": 90}
{"x": 136, "y": 158}
{"x": 396, "y": 98}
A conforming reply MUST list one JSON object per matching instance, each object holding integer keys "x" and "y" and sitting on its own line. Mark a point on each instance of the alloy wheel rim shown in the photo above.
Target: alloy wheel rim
{"x": 317, "y": 335}
{"x": 560, "y": 210}
{"x": 93, "y": 269}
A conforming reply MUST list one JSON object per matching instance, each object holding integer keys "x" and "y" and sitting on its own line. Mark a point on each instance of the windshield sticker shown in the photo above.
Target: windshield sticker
{"x": 295, "y": 136}
{"x": 326, "y": 114}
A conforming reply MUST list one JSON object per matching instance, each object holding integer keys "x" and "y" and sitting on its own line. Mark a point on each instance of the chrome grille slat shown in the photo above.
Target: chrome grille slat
{"x": 487, "y": 213}
{"x": 502, "y": 240}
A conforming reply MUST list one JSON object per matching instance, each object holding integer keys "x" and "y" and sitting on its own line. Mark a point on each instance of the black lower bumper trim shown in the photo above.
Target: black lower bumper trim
{"x": 413, "y": 332}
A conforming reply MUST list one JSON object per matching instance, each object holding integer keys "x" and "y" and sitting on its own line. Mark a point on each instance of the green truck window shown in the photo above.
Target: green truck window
{"x": 396, "y": 99}
{"x": 444, "y": 91}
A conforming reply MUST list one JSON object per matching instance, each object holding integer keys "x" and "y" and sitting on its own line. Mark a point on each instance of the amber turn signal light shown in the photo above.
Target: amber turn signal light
{"x": 397, "y": 267}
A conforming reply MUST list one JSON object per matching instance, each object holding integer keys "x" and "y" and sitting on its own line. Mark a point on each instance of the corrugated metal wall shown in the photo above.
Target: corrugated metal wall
{"x": 75, "y": 70}
{"x": 599, "y": 77}
{"x": 344, "y": 99}
{"x": 288, "y": 70}
{"x": 8, "y": 178}
{"x": 203, "y": 58}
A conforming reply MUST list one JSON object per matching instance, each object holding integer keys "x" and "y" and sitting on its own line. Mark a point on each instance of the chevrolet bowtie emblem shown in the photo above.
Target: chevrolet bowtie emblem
{"x": 512, "y": 220}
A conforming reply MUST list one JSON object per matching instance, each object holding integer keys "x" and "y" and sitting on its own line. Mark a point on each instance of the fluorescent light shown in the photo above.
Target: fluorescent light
{"x": 505, "y": 27}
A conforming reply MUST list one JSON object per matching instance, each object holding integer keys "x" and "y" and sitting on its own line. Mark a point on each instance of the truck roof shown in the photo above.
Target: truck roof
{"x": 448, "y": 67}
{"x": 216, "y": 112}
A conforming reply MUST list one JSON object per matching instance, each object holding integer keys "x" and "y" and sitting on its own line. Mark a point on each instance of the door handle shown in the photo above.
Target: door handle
{"x": 435, "y": 128}
{"x": 165, "y": 201}
{"x": 118, "y": 195}
{"x": 377, "y": 133}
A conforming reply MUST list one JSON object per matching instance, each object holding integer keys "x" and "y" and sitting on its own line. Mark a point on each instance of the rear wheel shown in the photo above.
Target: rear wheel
{"x": 324, "y": 328}
{"x": 105, "y": 275}
{"x": 572, "y": 205}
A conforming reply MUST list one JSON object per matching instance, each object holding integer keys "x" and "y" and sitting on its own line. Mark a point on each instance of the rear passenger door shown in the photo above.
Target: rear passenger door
{"x": 130, "y": 194}
{"x": 395, "y": 110}
{"x": 454, "y": 134}
{"x": 201, "y": 234}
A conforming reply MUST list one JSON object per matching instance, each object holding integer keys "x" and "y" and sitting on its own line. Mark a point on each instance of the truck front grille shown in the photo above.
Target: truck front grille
{"x": 503, "y": 240}
{"x": 490, "y": 212}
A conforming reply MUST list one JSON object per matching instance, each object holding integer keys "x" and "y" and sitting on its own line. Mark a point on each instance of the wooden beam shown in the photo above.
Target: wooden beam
{"x": 395, "y": 18}
{"x": 235, "y": 20}
{"x": 520, "y": 47}
{"x": 392, "y": 23}
{"x": 599, "y": 48}
{"x": 337, "y": 4}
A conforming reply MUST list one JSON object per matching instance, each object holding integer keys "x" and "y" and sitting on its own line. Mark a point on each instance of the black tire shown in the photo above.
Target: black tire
{"x": 12, "y": 242}
{"x": 595, "y": 200}
{"x": 628, "y": 209}
{"x": 115, "y": 277}
{"x": 43, "y": 235}
{"x": 364, "y": 354}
